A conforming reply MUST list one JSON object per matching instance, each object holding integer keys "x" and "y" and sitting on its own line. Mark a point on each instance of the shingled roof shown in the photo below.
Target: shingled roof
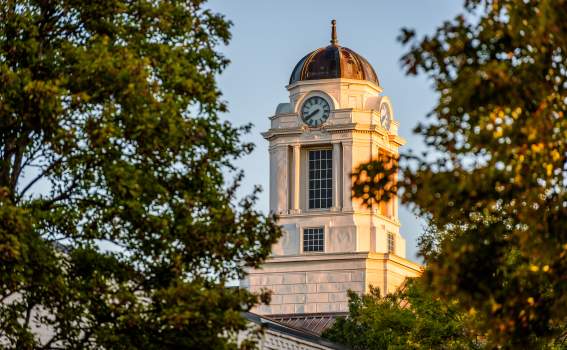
{"x": 315, "y": 323}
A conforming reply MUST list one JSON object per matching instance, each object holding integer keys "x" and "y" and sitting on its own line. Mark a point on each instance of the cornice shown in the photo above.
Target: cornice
{"x": 270, "y": 134}
{"x": 311, "y": 213}
{"x": 397, "y": 140}
{"x": 397, "y": 260}
{"x": 336, "y": 129}
{"x": 289, "y": 114}
{"x": 361, "y": 256}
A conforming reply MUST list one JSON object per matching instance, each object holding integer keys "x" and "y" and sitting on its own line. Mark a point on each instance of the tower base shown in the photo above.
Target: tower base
{"x": 319, "y": 283}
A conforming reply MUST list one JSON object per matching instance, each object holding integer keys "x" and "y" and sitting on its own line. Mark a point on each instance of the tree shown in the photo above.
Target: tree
{"x": 411, "y": 318}
{"x": 493, "y": 183}
{"x": 119, "y": 226}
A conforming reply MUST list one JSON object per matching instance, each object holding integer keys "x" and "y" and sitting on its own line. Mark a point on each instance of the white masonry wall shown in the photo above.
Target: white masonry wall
{"x": 309, "y": 284}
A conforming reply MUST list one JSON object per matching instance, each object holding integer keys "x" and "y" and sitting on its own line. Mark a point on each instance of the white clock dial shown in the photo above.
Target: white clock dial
{"x": 385, "y": 117}
{"x": 315, "y": 111}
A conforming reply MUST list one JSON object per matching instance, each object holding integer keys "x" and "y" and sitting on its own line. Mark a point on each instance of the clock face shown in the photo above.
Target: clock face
{"x": 385, "y": 117}
{"x": 315, "y": 111}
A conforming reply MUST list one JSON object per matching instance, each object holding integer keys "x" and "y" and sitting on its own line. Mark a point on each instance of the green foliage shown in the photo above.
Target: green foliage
{"x": 119, "y": 226}
{"x": 493, "y": 184}
{"x": 408, "y": 319}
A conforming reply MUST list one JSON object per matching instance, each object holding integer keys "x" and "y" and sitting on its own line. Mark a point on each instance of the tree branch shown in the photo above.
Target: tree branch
{"x": 37, "y": 178}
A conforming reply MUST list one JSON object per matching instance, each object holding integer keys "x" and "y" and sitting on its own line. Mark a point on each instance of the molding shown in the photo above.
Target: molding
{"x": 397, "y": 260}
{"x": 270, "y": 134}
{"x": 335, "y": 129}
{"x": 316, "y": 257}
{"x": 397, "y": 140}
{"x": 326, "y": 257}
{"x": 330, "y": 212}
{"x": 288, "y": 114}
{"x": 335, "y": 81}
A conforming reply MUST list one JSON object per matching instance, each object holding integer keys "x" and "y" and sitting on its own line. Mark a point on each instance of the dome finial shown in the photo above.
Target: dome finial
{"x": 334, "y": 40}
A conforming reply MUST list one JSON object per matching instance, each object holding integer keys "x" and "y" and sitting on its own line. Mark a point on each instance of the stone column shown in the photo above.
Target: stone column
{"x": 296, "y": 187}
{"x": 347, "y": 180}
{"x": 337, "y": 195}
{"x": 278, "y": 179}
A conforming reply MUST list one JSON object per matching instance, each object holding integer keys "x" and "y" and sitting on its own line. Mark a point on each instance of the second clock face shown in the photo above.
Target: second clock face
{"x": 315, "y": 111}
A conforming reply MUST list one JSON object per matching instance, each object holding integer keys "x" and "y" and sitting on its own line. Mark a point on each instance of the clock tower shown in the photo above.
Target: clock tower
{"x": 336, "y": 118}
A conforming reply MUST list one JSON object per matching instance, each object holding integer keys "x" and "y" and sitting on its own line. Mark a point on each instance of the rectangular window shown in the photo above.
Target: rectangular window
{"x": 391, "y": 243}
{"x": 320, "y": 179}
{"x": 313, "y": 239}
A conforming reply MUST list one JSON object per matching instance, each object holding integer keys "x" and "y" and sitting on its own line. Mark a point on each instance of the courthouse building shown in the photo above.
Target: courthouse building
{"x": 337, "y": 117}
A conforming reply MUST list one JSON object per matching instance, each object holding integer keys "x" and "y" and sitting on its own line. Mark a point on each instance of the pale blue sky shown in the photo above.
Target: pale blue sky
{"x": 269, "y": 37}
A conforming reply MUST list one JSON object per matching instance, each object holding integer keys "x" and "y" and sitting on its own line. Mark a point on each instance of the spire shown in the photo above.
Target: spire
{"x": 334, "y": 40}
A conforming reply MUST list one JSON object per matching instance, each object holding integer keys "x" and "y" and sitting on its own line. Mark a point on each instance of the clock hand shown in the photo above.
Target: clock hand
{"x": 312, "y": 114}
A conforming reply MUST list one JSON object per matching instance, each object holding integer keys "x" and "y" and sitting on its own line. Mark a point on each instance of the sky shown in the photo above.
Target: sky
{"x": 269, "y": 37}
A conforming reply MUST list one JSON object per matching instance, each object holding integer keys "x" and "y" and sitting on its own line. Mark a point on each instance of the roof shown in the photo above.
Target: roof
{"x": 315, "y": 323}
{"x": 272, "y": 323}
{"x": 333, "y": 61}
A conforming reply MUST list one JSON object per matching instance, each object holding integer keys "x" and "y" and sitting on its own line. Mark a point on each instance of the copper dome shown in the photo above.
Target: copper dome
{"x": 333, "y": 61}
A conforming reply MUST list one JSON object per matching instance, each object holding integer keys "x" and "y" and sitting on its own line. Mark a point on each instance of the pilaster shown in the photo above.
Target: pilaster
{"x": 279, "y": 179}
{"x": 347, "y": 180}
{"x": 337, "y": 176}
{"x": 296, "y": 184}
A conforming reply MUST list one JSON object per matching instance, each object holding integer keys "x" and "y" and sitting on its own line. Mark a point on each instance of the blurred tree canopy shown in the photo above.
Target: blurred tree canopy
{"x": 493, "y": 183}
{"x": 119, "y": 226}
{"x": 411, "y": 318}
